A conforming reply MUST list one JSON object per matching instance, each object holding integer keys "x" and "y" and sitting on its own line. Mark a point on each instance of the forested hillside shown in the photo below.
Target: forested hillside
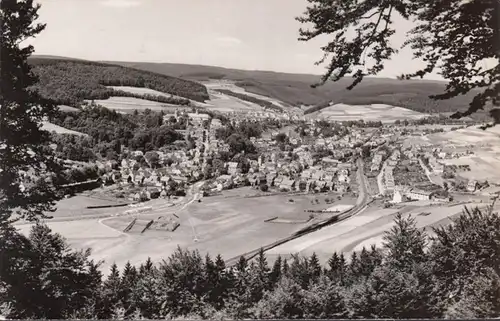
{"x": 69, "y": 82}
{"x": 295, "y": 89}
{"x": 109, "y": 130}
{"x": 455, "y": 277}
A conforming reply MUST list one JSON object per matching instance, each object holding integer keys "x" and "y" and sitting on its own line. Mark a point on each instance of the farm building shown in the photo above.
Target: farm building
{"x": 419, "y": 195}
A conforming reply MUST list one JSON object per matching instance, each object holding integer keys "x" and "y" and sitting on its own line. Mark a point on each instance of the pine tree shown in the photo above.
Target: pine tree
{"x": 225, "y": 282}
{"x": 23, "y": 145}
{"x": 212, "y": 282}
{"x": 94, "y": 308}
{"x": 128, "y": 283}
{"x": 376, "y": 256}
{"x": 463, "y": 252}
{"x": 275, "y": 273}
{"x": 16, "y": 264}
{"x": 259, "y": 276}
{"x": 314, "y": 268}
{"x": 148, "y": 291}
{"x": 405, "y": 243}
{"x": 337, "y": 268}
{"x": 57, "y": 264}
{"x": 367, "y": 262}
{"x": 240, "y": 299}
{"x": 111, "y": 292}
{"x": 285, "y": 302}
{"x": 182, "y": 279}
{"x": 285, "y": 268}
{"x": 323, "y": 300}
{"x": 480, "y": 298}
{"x": 401, "y": 287}
{"x": 299, "y": 271}
{"x": 146, "y": 267}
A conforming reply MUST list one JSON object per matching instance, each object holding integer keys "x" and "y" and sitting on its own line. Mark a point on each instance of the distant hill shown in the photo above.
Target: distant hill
{"x": 292, "y": 89}
{"x": 295, "y": 89}
{"x": 69, "y": 82}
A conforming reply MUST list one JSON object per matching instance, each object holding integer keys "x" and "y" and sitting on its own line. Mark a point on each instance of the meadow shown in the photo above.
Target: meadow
{"x": 228, "y": 224}
{"x": 485, "y": 163}
{"x": 362, "y": 230}
{"x": 59, "y": 130}
{"x": 129, "y": 104}
{"x": 375, "y": 112}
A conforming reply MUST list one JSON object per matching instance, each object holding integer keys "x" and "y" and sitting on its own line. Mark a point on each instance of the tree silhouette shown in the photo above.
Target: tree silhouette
{"x": 23, "y": 145}
{"x": 454, "y": 37}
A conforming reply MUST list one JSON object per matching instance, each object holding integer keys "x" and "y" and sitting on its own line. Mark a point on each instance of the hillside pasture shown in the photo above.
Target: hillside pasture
{"x": 148, "y": 91}
{"x": 214, "y": 85}
{"x": 59, "y": 130}
{"x": 129, "y": 104}
{"x": 224, "y": 103}
{"x": 67, "y": 109}
{"x": 485, "y": 163}
{"x": 376, "y": 112}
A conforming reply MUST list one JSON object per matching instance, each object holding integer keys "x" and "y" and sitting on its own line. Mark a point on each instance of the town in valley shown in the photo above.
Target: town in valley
{"x": 239, "y": 172}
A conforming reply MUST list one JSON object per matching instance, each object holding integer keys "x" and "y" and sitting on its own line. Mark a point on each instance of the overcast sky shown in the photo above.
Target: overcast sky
{"x": 245, "y": 34}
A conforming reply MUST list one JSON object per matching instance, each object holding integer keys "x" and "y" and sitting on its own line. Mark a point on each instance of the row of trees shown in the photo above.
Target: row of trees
{"x": 455, "y": 275}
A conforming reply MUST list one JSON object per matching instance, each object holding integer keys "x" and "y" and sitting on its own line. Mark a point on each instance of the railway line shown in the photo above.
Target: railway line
{"x": 364, "y": 199}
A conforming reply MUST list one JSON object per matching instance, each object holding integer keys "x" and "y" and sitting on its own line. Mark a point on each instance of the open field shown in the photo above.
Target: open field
{"x": 148, "y": 91}
{"x": 214, "y": 85}
{"x": 485, "y": 163}
{"x": 229, "y": 226}
{"x": 77, "y": 206}
{"x": 375, "y": 112}
{"x": 225, "y": 103}
{"x": 59, "y": 130}
{"x": 129, "y": 104}
{"x": 67, "y": 109}
{"x": 360, "y": 231}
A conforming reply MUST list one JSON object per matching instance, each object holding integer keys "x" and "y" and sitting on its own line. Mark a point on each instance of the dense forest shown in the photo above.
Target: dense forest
{"x": 263, "y": 103}
{"x": 453, "y": 275}
{"x": 70, "y": 82}
{"x": 109, "y": 130}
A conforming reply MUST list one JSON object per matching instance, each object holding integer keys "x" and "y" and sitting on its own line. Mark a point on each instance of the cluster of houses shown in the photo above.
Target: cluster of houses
{"x": 286, "y": 175}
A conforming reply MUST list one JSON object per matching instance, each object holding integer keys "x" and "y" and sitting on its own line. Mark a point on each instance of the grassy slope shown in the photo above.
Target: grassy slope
{"x": 295, "y": 89}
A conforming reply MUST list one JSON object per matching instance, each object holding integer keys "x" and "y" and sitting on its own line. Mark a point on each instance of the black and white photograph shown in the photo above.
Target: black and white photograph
{"x": 249, "y": 159}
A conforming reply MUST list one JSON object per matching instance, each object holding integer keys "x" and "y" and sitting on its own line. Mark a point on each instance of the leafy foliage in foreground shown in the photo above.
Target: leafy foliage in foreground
{"x": 457, "y": 276}
{"x": 456, "y": 38}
